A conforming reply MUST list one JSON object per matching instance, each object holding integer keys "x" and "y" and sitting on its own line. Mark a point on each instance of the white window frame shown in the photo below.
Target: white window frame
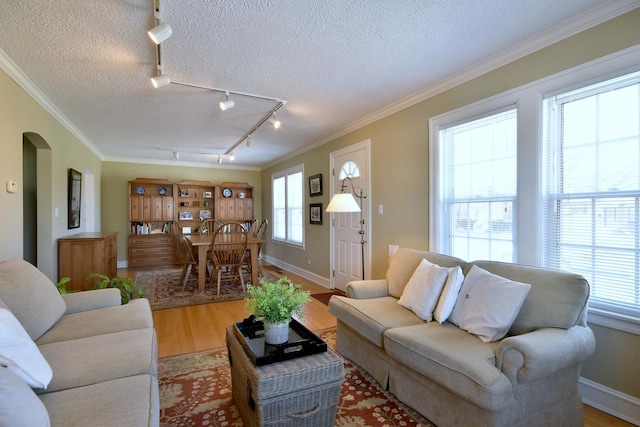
{"x": 286, "y": 173}
{"x": 529, "y": 205}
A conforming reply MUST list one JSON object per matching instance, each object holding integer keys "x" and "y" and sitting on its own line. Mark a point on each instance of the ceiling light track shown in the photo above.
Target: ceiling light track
{"x": 160, "y": 33}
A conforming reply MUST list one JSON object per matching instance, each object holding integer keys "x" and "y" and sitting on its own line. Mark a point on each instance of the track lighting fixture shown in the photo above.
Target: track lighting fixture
{"x": 176, "y": 155}
{"x": 248, "y": 140}
{"x": 160, "y": 33}
{"x": 231, "y": 156}
{"x": 159, "y": 81}
{"x": 227, "y": 104}
{"x": 219, "y": 159}
{"x": 274, "y": 122}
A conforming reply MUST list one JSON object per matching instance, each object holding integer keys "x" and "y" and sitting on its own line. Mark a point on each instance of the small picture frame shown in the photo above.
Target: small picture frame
{"x": 184, "y": 192}
{"x": 206, "y": 194}
{"x": 73, "y": 195}
{"x": 205, "y": 214}
{"x": 186, "y": 216}
{"x": 186, "y": 230}
{"x": 315, "y": 185}
{"x": 315, "y": 213}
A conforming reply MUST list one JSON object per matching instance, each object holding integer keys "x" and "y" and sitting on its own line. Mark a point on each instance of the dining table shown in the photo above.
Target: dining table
{"x": 203, "y": 242}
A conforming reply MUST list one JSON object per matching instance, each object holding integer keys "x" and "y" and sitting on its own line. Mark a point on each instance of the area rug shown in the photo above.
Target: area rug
{"x": 164, "y": 290}
{"x": 324, "y": 297}
{"x": 195, "y": 390}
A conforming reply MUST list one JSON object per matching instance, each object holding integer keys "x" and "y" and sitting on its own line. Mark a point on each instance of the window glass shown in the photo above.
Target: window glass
{"x": 288, "y": 205}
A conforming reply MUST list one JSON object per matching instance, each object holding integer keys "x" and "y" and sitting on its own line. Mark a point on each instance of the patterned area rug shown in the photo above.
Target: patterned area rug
{"x": 163, "y": 289}
{"x": 195, "y": 390}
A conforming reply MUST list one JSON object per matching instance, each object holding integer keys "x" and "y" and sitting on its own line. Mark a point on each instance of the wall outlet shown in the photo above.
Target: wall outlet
{"x": 308, "y": 261}
{"x": 12, "y": 186}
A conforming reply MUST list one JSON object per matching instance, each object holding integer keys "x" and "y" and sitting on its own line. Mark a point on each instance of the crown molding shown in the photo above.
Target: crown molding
{"x": 34, "y": 91}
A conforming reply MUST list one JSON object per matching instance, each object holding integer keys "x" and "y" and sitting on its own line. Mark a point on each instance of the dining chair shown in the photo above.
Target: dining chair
{"x": 228, "y": 247}
{"x": 260, "y": 233}
{"x": 208, "y": 227}
{"x": 189, "y": 261}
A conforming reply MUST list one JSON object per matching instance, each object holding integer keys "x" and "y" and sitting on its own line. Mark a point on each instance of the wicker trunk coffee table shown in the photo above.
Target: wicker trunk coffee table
{"x": 297, "y": 392}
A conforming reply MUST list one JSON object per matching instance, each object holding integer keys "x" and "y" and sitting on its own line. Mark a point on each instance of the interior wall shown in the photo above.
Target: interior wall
{"x": 400, "y": 176}
{"x": 21, "y": 114}
{"x": 116, "y": 175}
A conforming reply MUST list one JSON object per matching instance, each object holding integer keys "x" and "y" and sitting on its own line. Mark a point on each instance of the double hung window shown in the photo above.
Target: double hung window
{"x": 592, "y": 187}
{"x": 288, "y": 201}
{"x": 478, "y": 187}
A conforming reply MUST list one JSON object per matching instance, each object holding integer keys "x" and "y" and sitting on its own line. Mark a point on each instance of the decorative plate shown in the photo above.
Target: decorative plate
{"x": 140, "y": 190}
{"x": 162, "y": 191}
{"x": 227, "y": 192}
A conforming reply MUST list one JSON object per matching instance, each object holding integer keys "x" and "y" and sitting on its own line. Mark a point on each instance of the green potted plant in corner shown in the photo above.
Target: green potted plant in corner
{"x": 275, "y": 303}
{"x": 128, "y": 288}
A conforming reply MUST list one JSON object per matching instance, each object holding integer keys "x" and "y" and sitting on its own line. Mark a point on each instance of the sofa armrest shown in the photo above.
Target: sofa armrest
{"x": 91, "y": 300}
{"x": 527, "y": 357}
{"x": 365, "y": 289}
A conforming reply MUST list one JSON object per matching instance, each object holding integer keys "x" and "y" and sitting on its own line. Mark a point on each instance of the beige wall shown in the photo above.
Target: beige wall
{"x": 116, "y": 175}
{"x": 400, "y": 177}
{"x": 20, "y": 114}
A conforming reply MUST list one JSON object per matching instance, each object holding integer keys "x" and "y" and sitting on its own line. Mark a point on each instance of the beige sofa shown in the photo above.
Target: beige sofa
{"x": 528, "y": 378}
{"x": 102, "y": 355}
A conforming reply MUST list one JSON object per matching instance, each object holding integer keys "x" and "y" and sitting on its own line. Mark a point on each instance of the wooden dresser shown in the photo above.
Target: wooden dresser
{"x": 86, "y": 253}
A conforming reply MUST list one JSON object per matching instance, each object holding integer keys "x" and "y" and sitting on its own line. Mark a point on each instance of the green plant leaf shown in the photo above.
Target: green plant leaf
{"x": 276, "y": 302}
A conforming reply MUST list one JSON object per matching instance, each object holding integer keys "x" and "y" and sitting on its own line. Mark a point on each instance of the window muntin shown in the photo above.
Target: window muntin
{"x": 288, "y": 205}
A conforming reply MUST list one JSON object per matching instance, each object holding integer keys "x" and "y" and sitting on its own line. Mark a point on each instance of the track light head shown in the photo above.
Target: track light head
{"x": 274, "y": 122}
{"x": 159, "y": 81}
{"x": 231, "y": 156}
{"x": 160, "y": 33}
{"x": 219, "y": 159}
{"x": 248, "y": 140}
{"x": 176, "y": 155}
{"x": 227, "y": 104}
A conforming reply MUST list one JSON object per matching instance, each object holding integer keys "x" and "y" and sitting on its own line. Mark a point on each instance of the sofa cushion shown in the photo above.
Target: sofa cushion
{"x": 423, "y": 289}
{"x": 19, "y": 405}
{"x": 449, "y": 294}
{"x": 131, "y": 401}
{"x": 91, "y": 360}
{"x": 557, "y": 299}
{"x": 488, "y": 304}
{"x": 371, "y": 317}
{"x": 30, "y": 296}
{"x": 405, "y": 262}
{"x": 19, "y": 354}
{"x": 134, "y": 315}
{"x": 454, "y": 359}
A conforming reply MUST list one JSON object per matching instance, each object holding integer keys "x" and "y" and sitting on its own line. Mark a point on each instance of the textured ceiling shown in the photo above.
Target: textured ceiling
{"x": 337, "y": 63}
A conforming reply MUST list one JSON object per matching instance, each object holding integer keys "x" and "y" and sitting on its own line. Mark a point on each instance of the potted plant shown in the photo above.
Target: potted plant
{"x": 128, "y": 288}
{"x": 276, "y": 303}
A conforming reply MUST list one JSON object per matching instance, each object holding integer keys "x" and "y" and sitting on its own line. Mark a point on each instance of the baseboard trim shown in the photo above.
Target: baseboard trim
{"x": 323, "y": 281}
{"x": 610, "y": 401}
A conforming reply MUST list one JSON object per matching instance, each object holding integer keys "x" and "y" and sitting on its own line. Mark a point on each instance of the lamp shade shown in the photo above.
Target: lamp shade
{"x": 160, "y": 33}
{"x": 343, "y": 202}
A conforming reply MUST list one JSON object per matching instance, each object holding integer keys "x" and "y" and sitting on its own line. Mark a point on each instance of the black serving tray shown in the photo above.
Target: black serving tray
{"x": 302, "y": 342}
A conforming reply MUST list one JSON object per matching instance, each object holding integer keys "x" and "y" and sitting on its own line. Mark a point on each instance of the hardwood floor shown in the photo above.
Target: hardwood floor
{"x": 202, "y": 327}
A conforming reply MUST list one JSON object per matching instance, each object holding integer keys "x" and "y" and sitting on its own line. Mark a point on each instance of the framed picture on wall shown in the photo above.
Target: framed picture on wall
{"x": 73, "y": 195}
{"x": 315, "y": 213}
{"x": 315, "y": 185}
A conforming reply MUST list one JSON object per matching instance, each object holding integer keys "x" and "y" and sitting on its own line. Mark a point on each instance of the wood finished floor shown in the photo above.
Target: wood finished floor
{"x": 202, "y": 327}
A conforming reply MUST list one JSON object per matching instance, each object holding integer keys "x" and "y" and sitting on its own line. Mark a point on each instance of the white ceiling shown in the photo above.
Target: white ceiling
{"x": 338, "y": 63}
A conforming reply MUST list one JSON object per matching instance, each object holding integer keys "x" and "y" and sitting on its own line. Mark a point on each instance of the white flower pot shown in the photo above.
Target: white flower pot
{"x": 276, "y": 333}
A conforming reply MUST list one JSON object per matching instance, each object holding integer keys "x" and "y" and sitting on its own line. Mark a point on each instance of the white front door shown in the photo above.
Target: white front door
{"x": 350, "y": 232}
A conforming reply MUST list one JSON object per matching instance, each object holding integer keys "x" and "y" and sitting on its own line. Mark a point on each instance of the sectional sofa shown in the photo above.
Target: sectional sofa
{"x": 80, "y": 359}
{"x": 471, "y": 344}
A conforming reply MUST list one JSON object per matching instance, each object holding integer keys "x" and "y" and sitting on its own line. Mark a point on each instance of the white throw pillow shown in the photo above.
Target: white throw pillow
{"x": 488, "y": 304}
{"x": 19, "y": 405}
{"x": 423, "y": 289}
{"x": 449, "y": 294}
{"x": 20, "y": 354}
